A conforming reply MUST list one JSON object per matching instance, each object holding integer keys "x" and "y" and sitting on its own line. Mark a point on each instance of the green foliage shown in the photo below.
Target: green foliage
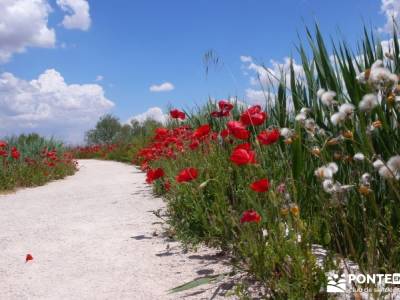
{"x": 34, "y": 166}
{"x": 360, "y": 221}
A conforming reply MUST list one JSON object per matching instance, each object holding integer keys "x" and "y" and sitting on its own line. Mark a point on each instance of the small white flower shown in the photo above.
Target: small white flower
{"x": 377, "y": 164}
{"x": 320, "y": 93}
{"x": 347, "y": 109}
{"x": 305, "y": 110}
{"x": 361, "y": 78}
{"x": 366, "y": 179}
{"x": 377, "y": 64}
{"x": 338, "y": 118}
{"x": 328, "y": 186}
{"x": 394, "y": 163}
{"x": 368, "y": 103}
{"x": 359, "y": 156}
{"x": 309, "y": 124}
{"x": 286, "y": 132}
{"x": 301, "y": 118}
{"x": 327, "y": 171}
{"x": 392, "y": 168}
{"x": 327, "y": 98}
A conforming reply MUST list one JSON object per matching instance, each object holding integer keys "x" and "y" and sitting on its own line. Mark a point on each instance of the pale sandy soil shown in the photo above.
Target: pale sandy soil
{"x": 91, "y": 237}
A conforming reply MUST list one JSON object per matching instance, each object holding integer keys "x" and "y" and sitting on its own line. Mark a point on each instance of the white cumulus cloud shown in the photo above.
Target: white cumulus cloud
{"x": 391, "y": 10}
{"x": 163, "y": 87}
{"x": 272, "y": 74}
{"x": 78, "y": 16}
{"x": 23, "y": 23}
{"x": 50, "y": 106}
{"x": 153, "y": 113}
{"x": 99, "y": 78}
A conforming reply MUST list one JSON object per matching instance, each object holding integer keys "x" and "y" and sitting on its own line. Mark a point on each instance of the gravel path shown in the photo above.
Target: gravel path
{"x": 91, "y": 236}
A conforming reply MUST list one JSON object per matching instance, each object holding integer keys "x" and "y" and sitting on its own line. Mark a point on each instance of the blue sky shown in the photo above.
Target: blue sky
{"x": 133, "y": 45}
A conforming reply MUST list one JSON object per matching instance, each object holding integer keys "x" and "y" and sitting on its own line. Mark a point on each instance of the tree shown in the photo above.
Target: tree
{"x": 106, "y": 131}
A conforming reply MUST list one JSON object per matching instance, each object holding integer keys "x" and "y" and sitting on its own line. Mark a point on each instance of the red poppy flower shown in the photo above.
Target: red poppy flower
{"x": 15, "y": 153}
{"x": 260, "y": 186}
{"x": 186, "y": 175}
{"x": 3, "y": 144}
{"x": 250, "y": 216}
{"x": 202, "y": 131}
{"x": 268, "y": 137}
{"x": 253, "y": 116}
{"x": 241, "y": 156}
{"x": 194, "y": 145}
{"x": 224, "y": 133}
{"x": 28, "y": 258}
{"x": 177, "y": 114}
{"x": 238, "y": 130}
{"x": 3, "y": 153}
{"x": 154, "y": 174}
{"x": 225, "y": 105}
{"x": 167, "y": 186}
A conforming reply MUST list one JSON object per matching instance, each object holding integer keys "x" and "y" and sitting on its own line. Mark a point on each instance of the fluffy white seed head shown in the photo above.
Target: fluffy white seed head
{"x": 338, "y": 118}
{"x": 328, "y": 98}
{"x": 347, "y": 109}
{"x": 359, "y": 156}
{"x": 368, "y": 103}
{"x": 377, "y": 164}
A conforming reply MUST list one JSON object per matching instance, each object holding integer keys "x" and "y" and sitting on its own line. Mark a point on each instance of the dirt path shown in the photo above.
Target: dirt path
{"x": 91, "y": 237}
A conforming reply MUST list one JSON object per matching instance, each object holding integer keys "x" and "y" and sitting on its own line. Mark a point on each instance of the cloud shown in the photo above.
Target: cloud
{"x": 153, "y": 113}
{"x": 99, "y": 78}
{"x": 163, "y": 87}
{"x": 272, "y": 74}
{"x": 78, "y": 16}
{"x": 257, "y": 97}
{"x": 391, "y": 10}
{"x": 23, "y": 24}
{"x": 50, "y": 106}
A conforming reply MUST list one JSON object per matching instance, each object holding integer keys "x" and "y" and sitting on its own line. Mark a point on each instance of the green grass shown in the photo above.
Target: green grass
{"x": 360, "y": 220}
{"x": 36, "y": 165}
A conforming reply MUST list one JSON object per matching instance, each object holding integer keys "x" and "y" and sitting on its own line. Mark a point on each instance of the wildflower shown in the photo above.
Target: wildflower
{"x": 359, "y": 156}
{"x": 338, "y": 118}
{"x": 377, "y": 164}
{"x": 177, "y": 114}
{"x": 3, "y": 144}
{"x": 186, "y": 175}
{"x": 154, "y": 174}
{"x": 250, "y": 216}
{"x": 225, "y": 105}
{"x": 364, "y": 190}
{"x": 260, "y": 186}
{"x": 28, "y": 257}
{"x": 242, "y": 156}
{"x": 327, "y": 97}
{"x": 194, "y": 144}
{"x": 309, "y": 124}
{"x": 281, "y": 188}
{"x": 202, "y": 131}
{"x": 328, "y": 186}
{"x": 294, "y": 209}
{"x": 167, "y": 186}
{"x": 15, "y": 154}
{"x": 347, "y": 109}
{"x": 365, "y": 179}
{"x": 238, "y": 130}
{"x": 327, "y": 171}
{"x": 377, "y": 124}
{"x": 392, "y": 168}
{"x": 348, "y": 134}
{"x": 224, "y": 133}
{"x": 268, "y": 137}
{"x": 253, "y": 116}
{"x": 380, "y": 75}
{"x": 368, "y": 103}
{"x": 316, "y": 151}
{"x": 301, "y": 117}
{"x": 286, "y": 132}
